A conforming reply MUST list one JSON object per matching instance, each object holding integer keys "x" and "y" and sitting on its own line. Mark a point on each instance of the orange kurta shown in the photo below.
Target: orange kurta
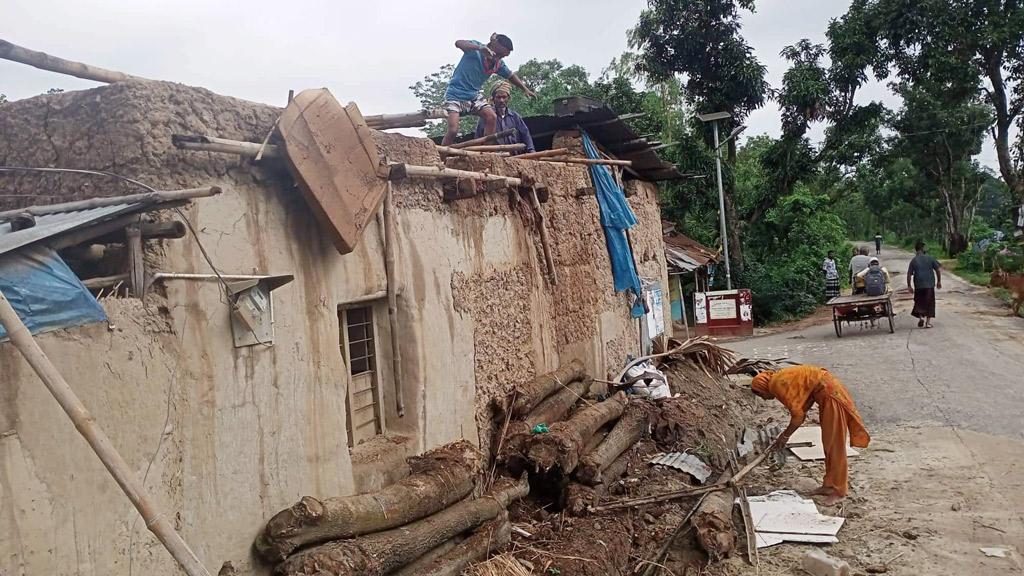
{"x": 800, "y": 387}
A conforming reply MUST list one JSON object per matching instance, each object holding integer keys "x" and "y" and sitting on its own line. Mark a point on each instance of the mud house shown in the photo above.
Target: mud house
{"x": 225, "y": 435}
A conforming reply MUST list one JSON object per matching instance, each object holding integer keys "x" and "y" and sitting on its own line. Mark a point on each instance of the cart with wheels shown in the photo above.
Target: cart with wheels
{"x": 862, "y": 308}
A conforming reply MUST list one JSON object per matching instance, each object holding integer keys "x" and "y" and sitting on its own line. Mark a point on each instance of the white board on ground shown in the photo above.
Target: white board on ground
{"x": 811, "y": 434}
{"x": 785, "y": 516}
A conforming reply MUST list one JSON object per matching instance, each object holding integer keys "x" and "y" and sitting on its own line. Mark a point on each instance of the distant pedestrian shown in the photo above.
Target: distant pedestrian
{"x": 925, "y": 276}
{"x": 831, "y": 276}
{"x": 878, "y": 244}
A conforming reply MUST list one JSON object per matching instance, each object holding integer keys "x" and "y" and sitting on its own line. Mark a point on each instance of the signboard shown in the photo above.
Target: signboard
{"x": 724, "y": 313}
{"x": 656, "y": 316}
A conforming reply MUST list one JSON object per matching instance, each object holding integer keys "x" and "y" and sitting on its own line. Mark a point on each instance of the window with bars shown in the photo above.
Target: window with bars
{"x": 359, "y": 350}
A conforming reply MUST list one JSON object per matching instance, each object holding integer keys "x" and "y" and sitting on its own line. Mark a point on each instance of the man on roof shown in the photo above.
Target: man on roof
{"x": 464, "y": 95}
{"x": 507, "y": 119}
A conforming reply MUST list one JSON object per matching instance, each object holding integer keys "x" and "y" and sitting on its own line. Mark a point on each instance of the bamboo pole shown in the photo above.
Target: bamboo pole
{"x": 400, "y": 171}
{"x": 156, "y": 521}
{"x": 143, "y": 198}
{"x": 484, "y": 139}
{"x": 44, "y": 61}
{"x": 543, "y": 154}
{"x": 449, "y": 151}
{"x": 390, "y": 240}
{"x": 598, "y": 161}
{"x": 405, "y": 120}
{"x": 497, "y": 148}
{"x": 545, "y": 243}
{"x": 202, "y": 143}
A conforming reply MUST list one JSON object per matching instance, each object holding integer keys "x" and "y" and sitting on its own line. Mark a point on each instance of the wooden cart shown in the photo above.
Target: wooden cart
{"x": 861, "y": 308}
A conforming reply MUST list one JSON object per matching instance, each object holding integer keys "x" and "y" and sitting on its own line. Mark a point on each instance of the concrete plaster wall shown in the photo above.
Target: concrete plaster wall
{"x": 226, "y": 437}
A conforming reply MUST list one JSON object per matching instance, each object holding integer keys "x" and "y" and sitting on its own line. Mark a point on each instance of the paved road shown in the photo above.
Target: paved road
{"x": 945, "y": 408}
{"x": 967, "y": 371}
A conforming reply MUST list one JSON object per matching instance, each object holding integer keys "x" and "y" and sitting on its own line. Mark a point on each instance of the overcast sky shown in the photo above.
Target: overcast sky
{"x": 368, "y": 52}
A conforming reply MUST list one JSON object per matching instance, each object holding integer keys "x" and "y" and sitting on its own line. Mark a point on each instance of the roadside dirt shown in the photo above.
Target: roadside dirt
{"x": 943, "y": 476}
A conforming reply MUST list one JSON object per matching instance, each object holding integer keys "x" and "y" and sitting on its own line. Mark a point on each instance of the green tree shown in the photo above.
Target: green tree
{"x": 956, "y": 43}
{"x": 701, "y": 41}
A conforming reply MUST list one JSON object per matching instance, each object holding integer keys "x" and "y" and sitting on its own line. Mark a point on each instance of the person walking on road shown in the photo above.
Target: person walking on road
{"x": 831, "y": 276}
{"x": 800, "y": 387}
{"x": 925, "y": 276}
{"x": 878, "y": 244}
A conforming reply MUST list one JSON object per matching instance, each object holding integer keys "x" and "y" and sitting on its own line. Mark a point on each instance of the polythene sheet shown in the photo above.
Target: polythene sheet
{"x": 616, "y": 218}
{"x": 44, "y": 292}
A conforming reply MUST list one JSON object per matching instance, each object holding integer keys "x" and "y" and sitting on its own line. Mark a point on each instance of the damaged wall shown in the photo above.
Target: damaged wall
{"x": 226, "y": 437}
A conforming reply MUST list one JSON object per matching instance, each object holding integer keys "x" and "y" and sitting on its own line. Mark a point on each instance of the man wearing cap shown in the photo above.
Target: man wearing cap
{"x": 463, "y": 96}
{"x": 507, "y": 119}
{"x": 800, "y": 387}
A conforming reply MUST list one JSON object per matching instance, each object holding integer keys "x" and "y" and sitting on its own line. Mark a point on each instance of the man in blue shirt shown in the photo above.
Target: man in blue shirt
{"x": 507, "y": 119}
{"x": 479, "y": 61}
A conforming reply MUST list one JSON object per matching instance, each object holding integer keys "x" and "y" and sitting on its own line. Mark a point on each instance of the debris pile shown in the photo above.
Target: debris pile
{"x": 429, "y": 519}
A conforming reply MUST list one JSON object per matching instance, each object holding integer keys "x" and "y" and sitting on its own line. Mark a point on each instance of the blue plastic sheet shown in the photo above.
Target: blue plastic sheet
{"x": 616, "y": 218}
{"x": 44, "y": 292}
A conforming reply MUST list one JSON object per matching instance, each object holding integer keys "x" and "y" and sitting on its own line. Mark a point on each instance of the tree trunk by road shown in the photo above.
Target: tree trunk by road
{"x": 563, "y": 446}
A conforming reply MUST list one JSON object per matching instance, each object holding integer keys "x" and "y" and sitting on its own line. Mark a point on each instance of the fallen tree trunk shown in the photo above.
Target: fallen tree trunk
{"x": 553, "y": 409}
{"x": 713, "y": 523}
{"x": 564, "y": 445}
{"x": 430, "y": 558}
{"x": 627, "y": 431}
{"x": 439, "y": 478}
{"x": 491, "y": 536}
{"x": 529, "y": 395}
{"x": 579, "y": 497}
{"x": 384, "y": 552}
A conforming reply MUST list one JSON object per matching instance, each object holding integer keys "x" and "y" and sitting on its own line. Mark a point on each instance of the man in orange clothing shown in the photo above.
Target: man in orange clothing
{"x": 799, "y": 388}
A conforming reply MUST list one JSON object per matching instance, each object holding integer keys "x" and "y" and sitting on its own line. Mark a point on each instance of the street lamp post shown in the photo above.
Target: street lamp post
{"x": 714, "y": 117}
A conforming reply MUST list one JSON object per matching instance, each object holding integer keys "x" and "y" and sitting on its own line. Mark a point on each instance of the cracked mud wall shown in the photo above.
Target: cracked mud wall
{"x": 244, "y": 432}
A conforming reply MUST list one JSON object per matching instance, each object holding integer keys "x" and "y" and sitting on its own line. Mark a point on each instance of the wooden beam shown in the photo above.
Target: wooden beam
{"x": 497, "y": 148}
{"x": 600, "y": 161}
{"x": 390, "y": 272}
{"x": 543, "y": 154}
{"x": 144, "y": 198}
{"x": 44, "y": 61}
{"x": 202, "y": 143}
{"x": 104, "y": 281}
{"x": 402, "y": 171}
{"x": 484, "y": 139}
{"x": 136, "y": 263}
{"x": 545, "y": 243}
{"x": 449, "y": 151}
{"x": 406, "y": 120}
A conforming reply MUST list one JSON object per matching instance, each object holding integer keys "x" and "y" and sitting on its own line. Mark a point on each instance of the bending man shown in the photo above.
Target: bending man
{"x": 507, "y": 119}
{"x": 799, "y": 388}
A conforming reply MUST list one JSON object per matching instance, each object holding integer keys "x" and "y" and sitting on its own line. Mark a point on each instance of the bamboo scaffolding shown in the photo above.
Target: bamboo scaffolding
{"x": 449, "y": 151}
{"x": 496, "y": 148}
{"x": 390, "y": 247}
{"x": 85, "y": 423}
{"x": 44, "y": 61}
{"x": 144, "y": 198}
{"x": 598, "y": 161}
{"x": 202, "y": 143}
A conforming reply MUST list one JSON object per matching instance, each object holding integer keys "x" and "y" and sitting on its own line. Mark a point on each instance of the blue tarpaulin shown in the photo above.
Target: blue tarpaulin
{"x": 616, "y": 218}
{"x": 44, "y": 292}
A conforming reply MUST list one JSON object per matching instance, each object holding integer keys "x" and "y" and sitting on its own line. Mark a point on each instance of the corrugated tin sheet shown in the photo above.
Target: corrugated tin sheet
{"x": 688, "y": 463}
{"x": 50, "y": 225}
{"x": 684, "y": 253}
{"x": 605, "y": 126}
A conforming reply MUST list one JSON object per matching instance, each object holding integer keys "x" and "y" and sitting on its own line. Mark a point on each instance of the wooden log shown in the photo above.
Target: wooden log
{"x": 597, "y": 161}
{"x": 654, "y": 565}
{"x": 390, "y": 248}
{"x": 44, "y": 61}
{"x": 563, "y": 445}
{"x": 543, "y": 154}
{"x": 484, "y": 139}
{"x": 144, "y": 198}
{"x": 579, "y": 497}
{"x": 627, "y": 432}
{"x": 384, "y": 552}
{"x": 202, "y": 143}
{"x": 439, "y": 478}
{"x": 136, "y": 264}
{"x": 552, "y": 409}
{"x": 449, "y": 151}
{"x": 495, "y": 148}
{"x": 530, "y": 394}
{"x": 168, "y": 229}
{"x": 405, "y": 120}
{"x": 402, "y": 171}
{"x": 545, "y": 243}
{"x": 425, "y": 562}
{"x": 491, "y": 536}
{"x": 713, "y": 523}
{"x": 157, "y": 522}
